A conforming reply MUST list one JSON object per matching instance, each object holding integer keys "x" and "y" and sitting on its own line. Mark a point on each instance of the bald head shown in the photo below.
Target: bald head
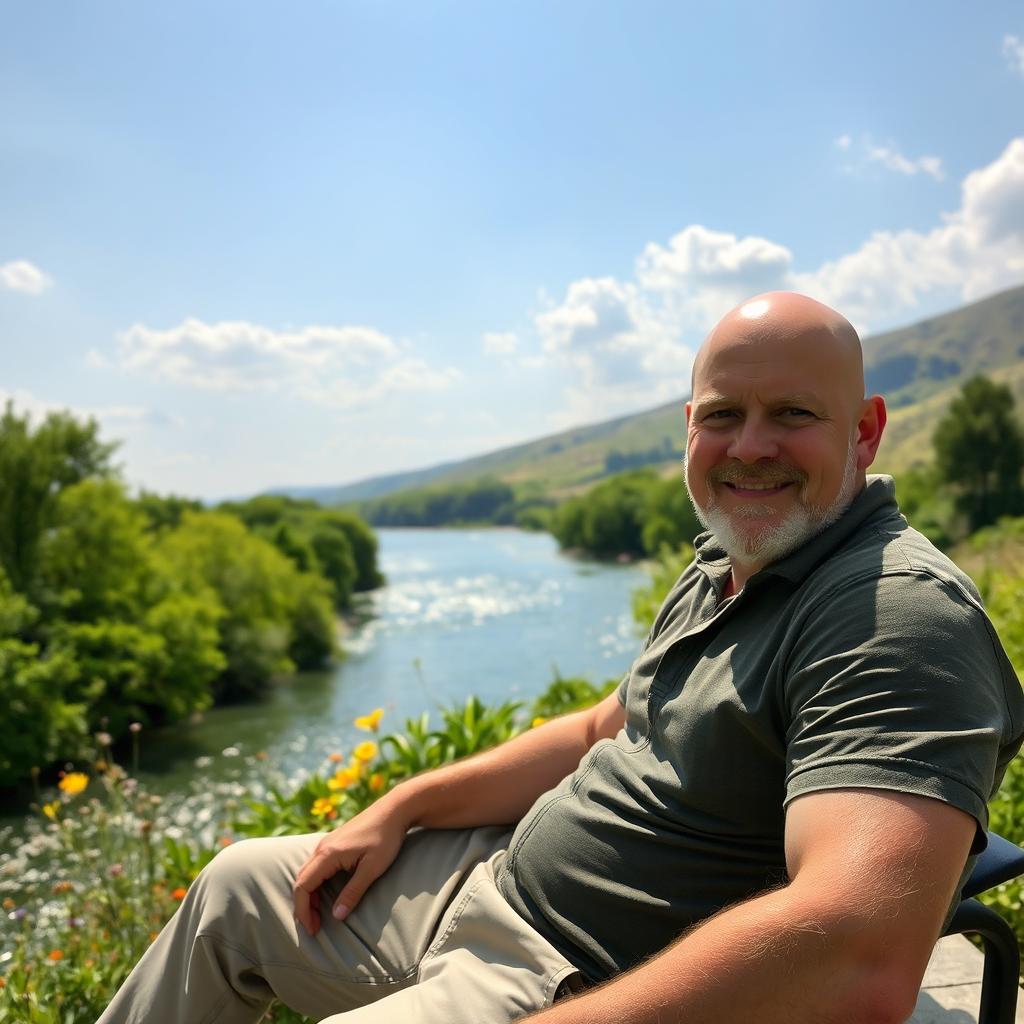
{"x": 792, "y": 327}
{"x": 779, "y": 433}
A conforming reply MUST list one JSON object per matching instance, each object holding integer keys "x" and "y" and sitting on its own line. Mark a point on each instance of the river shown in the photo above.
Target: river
{"x": 488, "y": 612}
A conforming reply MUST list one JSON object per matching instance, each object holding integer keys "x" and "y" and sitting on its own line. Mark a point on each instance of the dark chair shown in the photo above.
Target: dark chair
{"x": 1001, "y": 861}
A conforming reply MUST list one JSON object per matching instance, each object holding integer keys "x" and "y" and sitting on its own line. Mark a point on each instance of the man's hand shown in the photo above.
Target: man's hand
{"x": 365, "y": 846}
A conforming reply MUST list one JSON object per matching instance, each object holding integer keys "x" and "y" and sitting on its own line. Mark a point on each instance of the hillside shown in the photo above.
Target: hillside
{"x": 918, "y": 369}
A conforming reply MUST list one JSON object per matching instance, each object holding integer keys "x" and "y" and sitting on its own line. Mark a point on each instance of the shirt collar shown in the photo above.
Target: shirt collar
{"x": 878, "y": 492}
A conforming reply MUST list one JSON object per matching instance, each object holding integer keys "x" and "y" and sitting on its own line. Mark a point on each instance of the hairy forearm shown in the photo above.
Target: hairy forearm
{"x": 498, "y": 786}
{"x": 781, "y": 958}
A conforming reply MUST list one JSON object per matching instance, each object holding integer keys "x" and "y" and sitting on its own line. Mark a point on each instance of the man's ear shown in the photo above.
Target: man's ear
{"x": 688, "y": 407}
{"x": 869, "y": 430}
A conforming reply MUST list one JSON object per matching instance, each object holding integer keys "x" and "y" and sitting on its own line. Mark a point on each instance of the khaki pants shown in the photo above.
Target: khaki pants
{"x": 432, "y": 942}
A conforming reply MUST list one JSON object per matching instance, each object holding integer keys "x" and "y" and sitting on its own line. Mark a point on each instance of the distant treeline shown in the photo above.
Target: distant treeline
{"x": 616, "y": 461}
{"x": 636, "y": 513}
{"x": 117, "y": 609}
{"x": 477, "y": 502}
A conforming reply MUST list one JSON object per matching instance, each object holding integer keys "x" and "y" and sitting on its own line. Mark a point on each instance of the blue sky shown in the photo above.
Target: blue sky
{"x": 270, "y": 246}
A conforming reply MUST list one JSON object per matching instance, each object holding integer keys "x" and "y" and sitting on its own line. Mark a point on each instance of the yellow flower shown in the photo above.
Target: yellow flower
{"x": 365, "y": 751}
{"x": 50, "y": 810}
{"x": 376, "y": 782}
{"x": 539, "y": 720}
{"x": 73, "y": 783}
{"x": 324, "y": 807}
{"x": 343, "y": 778}
{"x": 370, "y": 722}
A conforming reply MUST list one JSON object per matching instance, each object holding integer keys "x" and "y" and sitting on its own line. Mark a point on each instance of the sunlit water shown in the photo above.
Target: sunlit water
{"x": 487, "y": 612}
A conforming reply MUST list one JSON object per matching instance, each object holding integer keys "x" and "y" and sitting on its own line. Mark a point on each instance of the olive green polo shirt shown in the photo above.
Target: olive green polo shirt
{"x": 863, "y": 659}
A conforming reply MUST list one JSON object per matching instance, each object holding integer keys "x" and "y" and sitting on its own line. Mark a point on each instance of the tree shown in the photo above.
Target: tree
{"x": 979, "y": 450}
{"x": 35, "y": 466}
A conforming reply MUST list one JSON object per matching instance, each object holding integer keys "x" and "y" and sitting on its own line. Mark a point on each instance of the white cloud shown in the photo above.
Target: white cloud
{"x": 895, "y": 161}
{"x": 978, "y": 249}
{"x": 867, "y": 153}
{"x": 341, "y": 366}
{"x": 500, "y": 343}
{"x": 22, "y": 276}
{"x": 112, "y": 418}
{"x": 1013, "y": 51}
{"x": 631, "y": 341}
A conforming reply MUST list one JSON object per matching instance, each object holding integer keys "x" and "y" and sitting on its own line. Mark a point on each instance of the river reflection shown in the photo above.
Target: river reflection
{"x": 490, "y": 612}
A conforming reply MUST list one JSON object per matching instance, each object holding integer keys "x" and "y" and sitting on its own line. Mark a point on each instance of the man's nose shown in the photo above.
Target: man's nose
{"x": 752, "y": 441}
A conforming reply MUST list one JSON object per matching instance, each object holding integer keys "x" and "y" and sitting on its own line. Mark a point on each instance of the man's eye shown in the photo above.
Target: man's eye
{"x": 796, "y": 412}
{"x": 720, "y": 414}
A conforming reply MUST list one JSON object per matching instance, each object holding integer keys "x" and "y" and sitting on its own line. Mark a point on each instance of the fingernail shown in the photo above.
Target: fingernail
{"x": 341, "y": 911}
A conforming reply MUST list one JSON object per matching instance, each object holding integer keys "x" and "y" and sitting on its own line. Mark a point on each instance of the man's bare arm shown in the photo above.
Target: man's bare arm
{"x": 496, "y": 787}
{"x": 846, "y": 941}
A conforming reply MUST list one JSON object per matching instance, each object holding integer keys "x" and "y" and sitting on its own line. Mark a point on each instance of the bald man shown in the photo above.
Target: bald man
{"x": 770, "y": 819}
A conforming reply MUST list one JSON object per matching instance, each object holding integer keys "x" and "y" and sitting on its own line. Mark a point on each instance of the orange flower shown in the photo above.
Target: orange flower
{"x": 226, "y": 840}
{"x": 335, "y": 757}
{"x": 370, "y": 722}
{"x": 55, "y": 955}
{"x": 73, "y": 783}
{"x": 179, "y": 893}
{"x": 376, "y": 782}
{"x": 343, "y": 778}
{"x": 3, "y": 984}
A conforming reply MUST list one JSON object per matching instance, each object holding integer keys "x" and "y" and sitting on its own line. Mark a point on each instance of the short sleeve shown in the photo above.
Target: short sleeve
{"x": 897, "y": 682}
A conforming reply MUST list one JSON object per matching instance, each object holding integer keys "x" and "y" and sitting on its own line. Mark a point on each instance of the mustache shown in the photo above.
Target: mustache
{"x": 771, "y": 474}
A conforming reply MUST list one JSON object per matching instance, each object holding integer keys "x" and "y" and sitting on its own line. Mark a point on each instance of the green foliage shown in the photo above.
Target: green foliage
{"x": 570, "y": 694}
{"x": 36, "y": 464}
{"x": 635, "y": 513}
{"x": 664, "y": 571}
{"x": 164, "y": 512}
{"x": 979, "y": 449}
{"x": 332, "y": 542}
{"x": 272, "y": 617}
{"x": 485, "y": 500}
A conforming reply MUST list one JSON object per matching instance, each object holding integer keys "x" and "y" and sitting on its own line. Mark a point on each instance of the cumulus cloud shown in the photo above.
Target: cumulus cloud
{"x": 22, "y": 276}
{"x": 632, "y": 340}
{"x": 976, "y": 250}
{"x": 342, "y": 366}
{"x": 500, "y": 343}
{"x": 1013, "y": 51}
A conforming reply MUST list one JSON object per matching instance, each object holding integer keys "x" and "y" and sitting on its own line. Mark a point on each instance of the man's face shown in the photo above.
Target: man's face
{"x": 772, "y": 451}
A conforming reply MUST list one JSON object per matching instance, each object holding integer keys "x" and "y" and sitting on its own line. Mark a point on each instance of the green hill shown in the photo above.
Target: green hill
{"x": 917, "y": 368}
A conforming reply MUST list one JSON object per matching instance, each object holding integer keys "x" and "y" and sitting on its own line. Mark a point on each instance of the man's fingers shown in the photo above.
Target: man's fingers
{"x": 314, "y": 873}
{"x": 363, "y": 876}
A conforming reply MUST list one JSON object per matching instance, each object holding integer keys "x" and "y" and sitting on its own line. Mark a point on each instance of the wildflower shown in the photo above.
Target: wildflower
{"x": 8, "y": 903}
{"x": 230, "y": 752}
{"x": 365, "y": 751}
{"x": 63, "y": 886}
{"x": 115, "y": 870}
{"x": 324, "y": 807}
{"x": 18, "y": 914}
{"x": 179, "y": 893}
{"x": 76, "y": 922}
{"x": 261, "y": 755}
{"x": 539, "y": 720}
{"x": 376, "y": 782}
{"x": 3, "y": 984}
{"x": 335, "y": 757}
{"x": 55, "y": 955}
{"x": 135, "y": 727}
{"x": 104, "y": 739}
{"x": 343, "y": 778}
{"x": 73, "y": 783}
{"x": 370, "y": 722}
{"x": 51, "y": 809}
{"x": 226, "y": 840}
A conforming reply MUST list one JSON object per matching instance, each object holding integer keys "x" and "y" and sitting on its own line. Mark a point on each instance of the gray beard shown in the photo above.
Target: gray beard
{"x": 759, "y": 548}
